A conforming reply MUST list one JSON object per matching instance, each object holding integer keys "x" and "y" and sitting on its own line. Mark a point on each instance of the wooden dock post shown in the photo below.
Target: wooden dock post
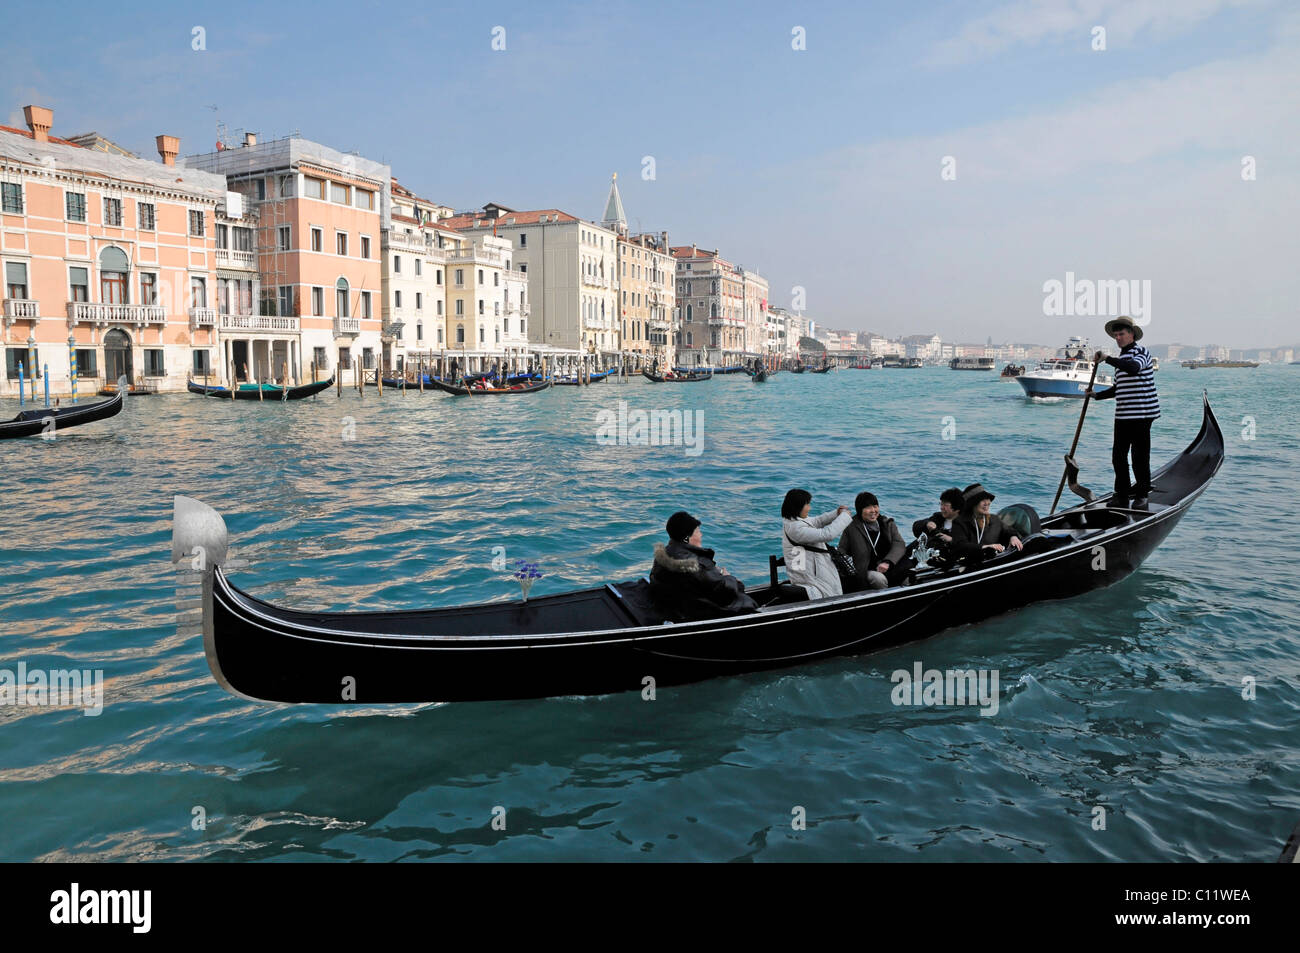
{"x": 338, "y": 372}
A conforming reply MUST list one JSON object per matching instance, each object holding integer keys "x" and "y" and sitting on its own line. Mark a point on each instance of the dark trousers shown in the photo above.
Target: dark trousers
{"x": 1132, "y": 436}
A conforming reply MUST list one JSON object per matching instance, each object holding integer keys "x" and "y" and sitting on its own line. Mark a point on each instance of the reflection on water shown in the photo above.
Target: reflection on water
{"x": 1129, "y": 699}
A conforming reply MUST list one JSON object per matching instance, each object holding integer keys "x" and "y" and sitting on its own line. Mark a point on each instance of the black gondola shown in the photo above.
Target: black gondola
{"x": 821, "y": 370}
{"x": 609, "y": 638}
{"x": 268, "y": 391}
{"x": 460, "y": 391}
{"x": 30, "y": 423}
{"x": 676, "y": 378}
{"x": 798, "y": 369}
{"x": 760, "y": 376}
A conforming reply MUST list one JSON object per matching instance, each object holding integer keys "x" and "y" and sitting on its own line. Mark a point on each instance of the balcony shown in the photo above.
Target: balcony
{"x": 482, "y": 256}
{"x": 400, "y": 241}
{"x": 101, "y": 315}
{"x": 511, "y": 274}
{"x": 236, "y": 258}
{"x": 21, "y": 309}
{"x": 595, "y": 281}
{"x": 392, "y": 330}
{"x": 203, "y": 318}
{"x": 347, "y": 325}
{"x": 258, "y": 322}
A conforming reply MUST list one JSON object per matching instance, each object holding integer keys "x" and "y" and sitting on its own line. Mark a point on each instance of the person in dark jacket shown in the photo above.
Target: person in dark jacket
{"x": 977, "y": 535}
{"x": 937, "y": 527}
{"x": 875, "y": 544}
{"x": 686, "y": 583}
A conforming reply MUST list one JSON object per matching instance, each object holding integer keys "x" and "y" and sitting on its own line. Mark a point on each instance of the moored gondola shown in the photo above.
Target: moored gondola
{"x": 268, "y": 391}
{"x": 610, "y": 638}
{"x": 676, "y": 378}
{"x": 42, "y": 420}
{"x": 821, "y": 370}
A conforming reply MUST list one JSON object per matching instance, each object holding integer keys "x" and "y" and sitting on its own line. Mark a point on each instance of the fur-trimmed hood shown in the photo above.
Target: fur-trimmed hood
{"x": 672, "y": 563}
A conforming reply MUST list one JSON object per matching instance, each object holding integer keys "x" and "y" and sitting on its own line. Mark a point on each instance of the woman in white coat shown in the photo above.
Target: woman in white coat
{"x": 803, "y": 544}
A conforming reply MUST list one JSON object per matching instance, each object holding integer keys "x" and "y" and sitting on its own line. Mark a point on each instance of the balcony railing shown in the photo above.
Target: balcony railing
{"x": 22, "y": 309}
{"x": 482, "y": 255}
{"x": 258, "y": 322}
{"x": 347, "y": 325}
{"x": 513, "y": 274}
{"x": 393, "y": 329}
{"x": 203, "y": 317}
{"x": 90, "y": 312}
{"x": 236, "y": 258}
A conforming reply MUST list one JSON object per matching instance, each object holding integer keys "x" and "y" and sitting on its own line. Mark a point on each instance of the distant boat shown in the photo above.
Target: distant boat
{"x": 269, "y": 392}
{"x": 1012, "y": 370}
{"x": 530, "y": 387}
{"x": 676, "y": 378}
{"x": 971, "y": 364}
{"x": 1065, "y": 375}
{"x": 1220, "y": 364}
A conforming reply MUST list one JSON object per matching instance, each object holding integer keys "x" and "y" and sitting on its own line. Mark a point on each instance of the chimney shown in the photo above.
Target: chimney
{"x": 692, "y": 249}
{"x": 250, "y": 139}
{"x": 39, "y": 119}
{"x": 665, "y": 239}
{"x": 168, "y": 146}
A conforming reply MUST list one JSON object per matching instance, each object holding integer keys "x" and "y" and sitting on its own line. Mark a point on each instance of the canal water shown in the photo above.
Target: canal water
{"x": 1156, "y": 720}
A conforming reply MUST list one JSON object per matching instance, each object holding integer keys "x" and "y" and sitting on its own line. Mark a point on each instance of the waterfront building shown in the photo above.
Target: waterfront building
{"x": 413, "y": 278}
{"x": 710, "y": 303}
{"x": 107, "y": 258}
{"x": 647, "y": 298}
{"x": 753, "y": 303}
{"x": 570, "y": 266}
{"x": 320, "y": 215}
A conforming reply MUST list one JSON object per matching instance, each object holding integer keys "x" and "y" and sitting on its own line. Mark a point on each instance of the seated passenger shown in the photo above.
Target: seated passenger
{"x": 875, "y": 544}
{"x": 685, "y": 581}
{"x": 938, "y": 526}
{"x": 807, "y": 561}
{"x": 976, "y": 535}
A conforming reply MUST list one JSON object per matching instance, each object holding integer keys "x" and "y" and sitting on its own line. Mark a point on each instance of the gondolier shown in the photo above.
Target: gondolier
{"x": 1136, "y": 406}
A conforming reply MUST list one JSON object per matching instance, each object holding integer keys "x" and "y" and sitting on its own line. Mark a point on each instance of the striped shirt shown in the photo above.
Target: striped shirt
{"x": 1134, "y": 389}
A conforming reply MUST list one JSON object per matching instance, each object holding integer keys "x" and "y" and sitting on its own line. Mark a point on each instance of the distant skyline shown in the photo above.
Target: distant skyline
{"x": 822, "y": 168}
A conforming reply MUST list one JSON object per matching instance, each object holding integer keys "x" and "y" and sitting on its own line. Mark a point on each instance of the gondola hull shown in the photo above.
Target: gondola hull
{"x": 599, "y": 640}
{"x": 41, "y": 420}
{"x": 679, "y": 379}
{"x": 268, "y": 391}
{"x": 460, "y": 391}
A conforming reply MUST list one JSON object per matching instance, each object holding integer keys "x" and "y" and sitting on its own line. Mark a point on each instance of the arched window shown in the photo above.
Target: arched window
{"x": 341, "y": 293}
{"x": 114, "y": 274}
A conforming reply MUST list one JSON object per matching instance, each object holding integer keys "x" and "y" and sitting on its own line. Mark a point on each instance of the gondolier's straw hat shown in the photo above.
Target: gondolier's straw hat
{"x": 1124, "y": 321}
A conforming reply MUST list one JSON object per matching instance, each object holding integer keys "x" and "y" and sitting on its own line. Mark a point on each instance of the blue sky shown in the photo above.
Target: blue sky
{"x": 819, "y": 167}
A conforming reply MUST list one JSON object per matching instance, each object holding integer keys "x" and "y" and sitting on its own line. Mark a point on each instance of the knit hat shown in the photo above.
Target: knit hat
{"x": 1124, "y": 321}
{"x": 974, "y": 493}
{"x": 681, "y": 525}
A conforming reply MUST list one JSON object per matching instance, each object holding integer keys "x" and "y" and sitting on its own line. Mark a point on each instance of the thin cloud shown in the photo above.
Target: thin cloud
{"x": 1029, "y": 22}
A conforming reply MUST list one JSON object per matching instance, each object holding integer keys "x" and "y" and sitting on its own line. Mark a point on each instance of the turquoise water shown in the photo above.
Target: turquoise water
{"x": 1129, "y": 699}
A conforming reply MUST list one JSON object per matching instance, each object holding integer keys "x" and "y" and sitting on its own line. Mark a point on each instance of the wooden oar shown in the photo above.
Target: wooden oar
{"x": 1087, "y": 396}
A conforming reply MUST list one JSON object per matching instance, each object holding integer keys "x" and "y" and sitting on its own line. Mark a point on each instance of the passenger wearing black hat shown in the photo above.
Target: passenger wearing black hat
{"x": 1136, "y": 407}
{"x": 686, "y": 583}
{"x": 976, "y": 534}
